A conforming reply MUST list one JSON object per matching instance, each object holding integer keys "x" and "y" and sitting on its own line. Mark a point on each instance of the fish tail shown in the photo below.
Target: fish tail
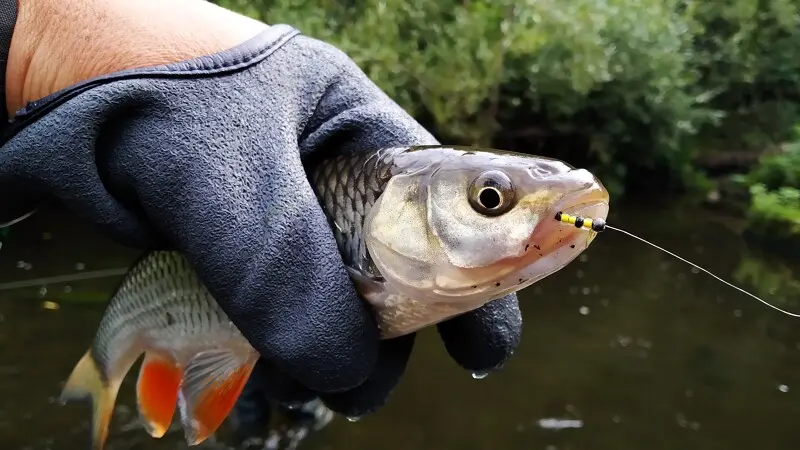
{"x": 87, "y": 382}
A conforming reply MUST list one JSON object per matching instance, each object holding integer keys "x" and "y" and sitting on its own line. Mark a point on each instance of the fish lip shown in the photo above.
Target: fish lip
{"x": 577, "y": 203}
{"x": 581, "y": 201}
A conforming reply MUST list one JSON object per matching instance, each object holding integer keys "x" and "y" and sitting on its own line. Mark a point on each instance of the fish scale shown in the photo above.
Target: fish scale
{"x": 347, "y": 189}
{"x": 150, "y": 299}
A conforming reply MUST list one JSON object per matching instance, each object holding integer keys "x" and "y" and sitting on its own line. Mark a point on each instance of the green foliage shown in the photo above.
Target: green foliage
{"x": 780, "y": 205}
{"x": 774, "y": 213}
{"x": 746, "y": 52}
{"x": 629, "y": 88}
{"x": 780, "y": 170}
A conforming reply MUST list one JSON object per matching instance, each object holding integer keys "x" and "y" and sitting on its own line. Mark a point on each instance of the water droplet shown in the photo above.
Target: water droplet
{"x": 579, "y": 274}
{"x": 67, "y": 289}
{"x": 737, "y": 312}
{"x": 584, "y": 257}
{"x": 584, "y": 310}
{"x": 80, "y": 266}
{"x": 20, "y": 264}
{"x": 294, "y": 405}
{"x": 46, "y": 236}
{"x": 695, "y": 270}
{"x": 783, "y": 388}
{"x": 42, "y": 291}
{"x": 353, "y": 418}
{"x": 586, "y": 290}
{"x": 479, "y": 375}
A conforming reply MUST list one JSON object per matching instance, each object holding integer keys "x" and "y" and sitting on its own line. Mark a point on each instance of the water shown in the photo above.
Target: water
{"x": 625, "y": 349}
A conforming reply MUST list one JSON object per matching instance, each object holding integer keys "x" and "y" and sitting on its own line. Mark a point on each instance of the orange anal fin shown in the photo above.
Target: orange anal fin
{"x": 157, "y": 392}
{"x": 212, "y": 382}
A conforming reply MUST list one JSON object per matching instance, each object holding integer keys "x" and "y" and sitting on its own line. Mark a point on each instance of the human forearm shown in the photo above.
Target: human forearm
{"x": 57, "y": 43}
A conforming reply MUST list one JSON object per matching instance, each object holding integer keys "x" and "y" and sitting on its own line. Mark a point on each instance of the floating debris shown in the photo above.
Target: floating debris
{"x": 553, "y": 423}
{"x": 47, "y": 304}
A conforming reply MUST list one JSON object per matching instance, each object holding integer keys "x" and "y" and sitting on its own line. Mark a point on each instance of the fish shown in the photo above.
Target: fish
{"x": 426, "y": 233}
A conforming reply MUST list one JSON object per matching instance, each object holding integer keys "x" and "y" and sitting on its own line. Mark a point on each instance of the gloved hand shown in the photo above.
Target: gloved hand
{"x": 205, "y": 156}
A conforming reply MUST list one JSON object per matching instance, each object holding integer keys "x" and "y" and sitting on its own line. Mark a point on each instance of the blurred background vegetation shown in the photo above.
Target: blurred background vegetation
{"x": 657, "y": 97}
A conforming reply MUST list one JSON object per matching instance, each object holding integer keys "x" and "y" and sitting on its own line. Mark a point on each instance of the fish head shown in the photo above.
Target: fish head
{"x": 471, "y": 226}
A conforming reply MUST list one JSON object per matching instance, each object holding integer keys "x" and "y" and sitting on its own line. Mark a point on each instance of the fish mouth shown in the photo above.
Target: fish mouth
{"x": 556, "y": 243}
{"x": 590, "y": 202}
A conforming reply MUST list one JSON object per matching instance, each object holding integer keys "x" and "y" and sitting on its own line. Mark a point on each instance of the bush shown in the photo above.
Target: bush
{"x": 779, "y": 170}
{"x": 629, "y": 88}
{"x": 746, "y": 54}
{"x": 774, "y": 211}
{"x": 774, "y": 218}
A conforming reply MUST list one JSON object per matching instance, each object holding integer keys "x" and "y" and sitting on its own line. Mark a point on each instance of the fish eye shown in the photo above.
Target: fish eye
{"x": 491, "y": 193}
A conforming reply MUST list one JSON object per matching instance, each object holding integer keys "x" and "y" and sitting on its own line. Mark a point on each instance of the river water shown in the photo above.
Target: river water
{"x": 625, "y": 349}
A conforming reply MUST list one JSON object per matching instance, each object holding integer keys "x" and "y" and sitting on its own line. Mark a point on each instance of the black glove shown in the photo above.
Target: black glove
{"x": 205, "y": 157}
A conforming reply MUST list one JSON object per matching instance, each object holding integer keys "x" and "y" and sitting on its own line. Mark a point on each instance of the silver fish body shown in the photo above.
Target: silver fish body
{"x": 349, "y": 186}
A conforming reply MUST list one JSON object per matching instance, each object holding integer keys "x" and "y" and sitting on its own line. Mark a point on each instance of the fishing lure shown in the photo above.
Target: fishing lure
{"x": 599, "y": 225}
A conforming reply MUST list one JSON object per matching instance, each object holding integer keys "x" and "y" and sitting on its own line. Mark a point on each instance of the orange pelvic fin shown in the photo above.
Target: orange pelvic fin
{"x": 87, "y": 382}
{"x": 157, "y": 392}
{"x": 212, "y": 382}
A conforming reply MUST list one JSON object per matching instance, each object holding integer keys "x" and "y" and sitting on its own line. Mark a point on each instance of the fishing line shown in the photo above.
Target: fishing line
{"x": 599, "y": 225}
{"x": 63, "y": 278}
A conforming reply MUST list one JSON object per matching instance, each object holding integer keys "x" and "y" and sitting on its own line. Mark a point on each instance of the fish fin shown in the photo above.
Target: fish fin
{"x": 87, "y": 382}
{"x": 157, "y": 392}
{"x": 212, "y": 382}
